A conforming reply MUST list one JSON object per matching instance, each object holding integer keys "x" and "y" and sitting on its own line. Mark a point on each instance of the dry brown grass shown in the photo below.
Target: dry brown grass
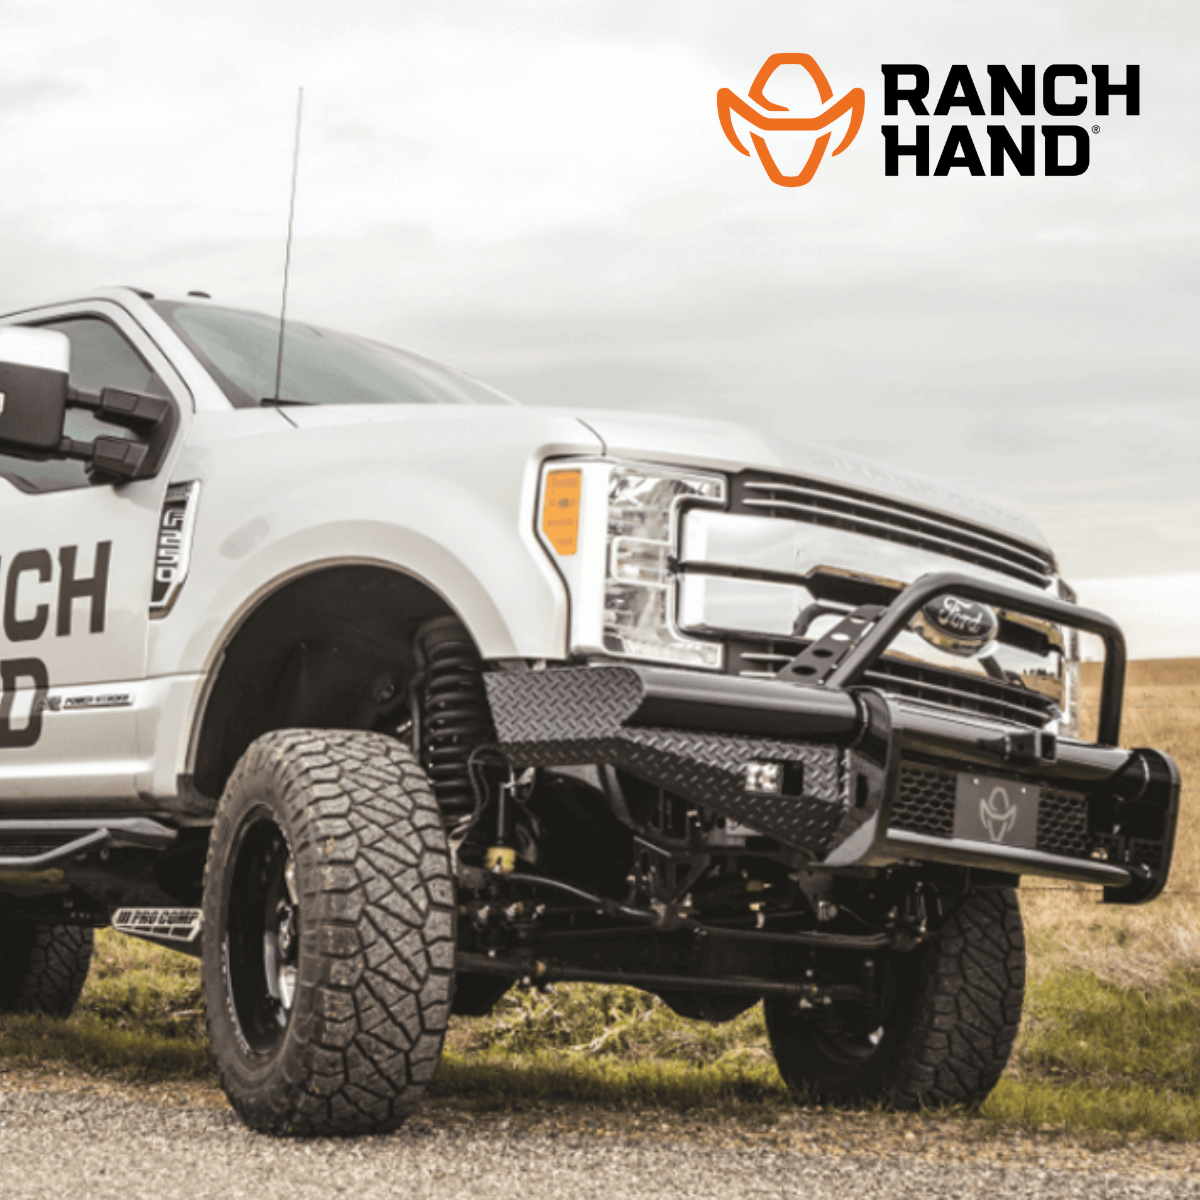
{"x": 1135, "y": 945}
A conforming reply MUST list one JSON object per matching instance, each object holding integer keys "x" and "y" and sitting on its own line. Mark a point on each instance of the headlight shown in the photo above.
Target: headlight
{"x": 613, "y": 531}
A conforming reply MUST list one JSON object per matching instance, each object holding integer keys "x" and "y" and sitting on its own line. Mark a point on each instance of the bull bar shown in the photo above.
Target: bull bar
{"x": 859, "y": 778}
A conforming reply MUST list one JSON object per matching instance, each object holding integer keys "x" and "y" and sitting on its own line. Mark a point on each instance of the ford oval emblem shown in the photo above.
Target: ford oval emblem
{"x": 959, "y": 626}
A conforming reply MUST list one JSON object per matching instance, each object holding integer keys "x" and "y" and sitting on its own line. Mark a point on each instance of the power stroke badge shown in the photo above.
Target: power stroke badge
{"x": 998, "y": 811}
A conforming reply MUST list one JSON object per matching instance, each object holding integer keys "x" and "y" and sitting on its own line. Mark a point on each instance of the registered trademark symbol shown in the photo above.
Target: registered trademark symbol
{"x": 1095, "y": 128}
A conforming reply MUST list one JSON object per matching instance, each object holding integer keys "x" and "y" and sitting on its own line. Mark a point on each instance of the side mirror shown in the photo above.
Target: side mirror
{"x": 35, "y": 394}
{"x": 34, "y": 369}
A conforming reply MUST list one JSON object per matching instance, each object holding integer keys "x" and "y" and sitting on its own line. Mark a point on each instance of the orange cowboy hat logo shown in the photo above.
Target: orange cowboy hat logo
{"x": 728, "y": 103}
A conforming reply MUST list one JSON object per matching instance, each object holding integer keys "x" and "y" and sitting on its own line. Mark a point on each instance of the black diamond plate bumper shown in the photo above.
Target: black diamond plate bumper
{"x": 865, "y": 780}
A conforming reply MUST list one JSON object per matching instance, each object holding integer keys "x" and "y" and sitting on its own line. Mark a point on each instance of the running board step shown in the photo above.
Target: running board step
{"x": 175, "y": 928}
{"x": 50, "y": 843}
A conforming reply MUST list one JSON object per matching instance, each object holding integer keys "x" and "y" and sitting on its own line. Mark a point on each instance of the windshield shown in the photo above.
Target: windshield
{"x": 241, "y": 349}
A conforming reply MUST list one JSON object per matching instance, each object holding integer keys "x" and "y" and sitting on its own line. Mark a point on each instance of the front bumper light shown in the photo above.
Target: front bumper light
{"x": 620, "y": 567}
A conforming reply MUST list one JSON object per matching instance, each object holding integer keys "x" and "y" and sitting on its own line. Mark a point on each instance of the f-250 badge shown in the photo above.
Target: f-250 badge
{"x": 173, "y": 552}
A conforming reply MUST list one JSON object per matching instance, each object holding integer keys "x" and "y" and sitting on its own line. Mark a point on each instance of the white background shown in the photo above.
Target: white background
{"x": 541, "y": 193}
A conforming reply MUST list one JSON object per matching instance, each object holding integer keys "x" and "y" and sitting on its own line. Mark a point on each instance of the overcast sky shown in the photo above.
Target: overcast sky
{"x": 541, "y": 193}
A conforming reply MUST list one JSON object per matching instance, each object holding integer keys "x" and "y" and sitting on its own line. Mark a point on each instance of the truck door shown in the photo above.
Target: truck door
{"x": 76, "y": 566}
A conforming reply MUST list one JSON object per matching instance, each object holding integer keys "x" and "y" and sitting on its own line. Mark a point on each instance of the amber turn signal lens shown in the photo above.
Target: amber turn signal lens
{"x": 560, "y": 510}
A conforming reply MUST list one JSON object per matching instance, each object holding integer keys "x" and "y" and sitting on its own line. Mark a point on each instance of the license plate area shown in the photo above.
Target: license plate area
{"x": 999, "y": 812}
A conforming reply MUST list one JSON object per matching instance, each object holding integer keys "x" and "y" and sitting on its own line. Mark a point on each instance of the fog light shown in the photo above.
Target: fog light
{"x": 764, "y": 777}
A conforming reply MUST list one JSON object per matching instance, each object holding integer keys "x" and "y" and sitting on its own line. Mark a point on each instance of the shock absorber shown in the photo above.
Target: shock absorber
{"x": 454, "y": 713}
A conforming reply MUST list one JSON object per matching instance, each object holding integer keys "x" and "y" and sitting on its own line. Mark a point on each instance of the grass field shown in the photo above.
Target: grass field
{"x": 1110, "y": 1039}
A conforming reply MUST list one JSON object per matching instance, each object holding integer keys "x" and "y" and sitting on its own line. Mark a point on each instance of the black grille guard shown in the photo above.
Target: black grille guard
{"x": 840, "y": 748}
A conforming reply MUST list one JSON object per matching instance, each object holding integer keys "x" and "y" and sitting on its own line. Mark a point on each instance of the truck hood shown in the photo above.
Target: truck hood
{"x": 726, "y": 446}
{"x": 688, "y": 441}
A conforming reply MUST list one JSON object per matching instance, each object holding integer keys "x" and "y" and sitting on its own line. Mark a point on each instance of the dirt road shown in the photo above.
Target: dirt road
{"x": 64, "y": 1142}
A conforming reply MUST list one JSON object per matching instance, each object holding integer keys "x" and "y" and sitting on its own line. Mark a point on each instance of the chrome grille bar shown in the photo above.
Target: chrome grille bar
{"x": 898, "y": 514}
{"x": 956, "y": 549}
{"x": 956, "y": 695}
{"x": 816, "y": 504}
{"x": 946, "y": 689}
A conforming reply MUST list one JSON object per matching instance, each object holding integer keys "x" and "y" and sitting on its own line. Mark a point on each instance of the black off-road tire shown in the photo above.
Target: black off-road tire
{"x": 359, "y": 928}
{"x": 43, "y": 967}
{"x": 944, "y": 1032}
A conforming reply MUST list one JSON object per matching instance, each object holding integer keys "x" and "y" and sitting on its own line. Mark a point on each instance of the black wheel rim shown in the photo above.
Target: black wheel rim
{"x": 856, "y": 1033}
{"x": 262, "y": 941}
{"x": 849, "y": 1042}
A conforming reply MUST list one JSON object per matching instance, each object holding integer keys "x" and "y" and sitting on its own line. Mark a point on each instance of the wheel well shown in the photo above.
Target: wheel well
{"x": 332, "y": 650}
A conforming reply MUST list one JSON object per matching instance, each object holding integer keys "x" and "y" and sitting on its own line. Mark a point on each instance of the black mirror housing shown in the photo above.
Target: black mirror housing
{"x": 34, "y": 373}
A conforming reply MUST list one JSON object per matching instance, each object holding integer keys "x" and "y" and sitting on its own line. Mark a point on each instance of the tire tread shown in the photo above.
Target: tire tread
{"x": 44, "y": 967}
{"x": 373, "y": 971}
{"x": 958, "y": 1022}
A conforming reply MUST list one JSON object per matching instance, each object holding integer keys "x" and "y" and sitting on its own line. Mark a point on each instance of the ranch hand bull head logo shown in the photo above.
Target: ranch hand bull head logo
{"x": 728, "y": 103}
{"x": 998, "y": 814}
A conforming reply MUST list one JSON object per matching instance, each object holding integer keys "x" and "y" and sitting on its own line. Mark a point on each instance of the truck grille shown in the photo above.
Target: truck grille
{"x": 971, "y": 693}
{"x": 926, "y": 805}
{"x": 839, "y": 507}
{"x": 912, "y": 681}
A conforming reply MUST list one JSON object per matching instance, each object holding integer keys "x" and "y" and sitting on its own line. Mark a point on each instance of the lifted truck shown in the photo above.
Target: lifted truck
{"x": 381, "y": 694}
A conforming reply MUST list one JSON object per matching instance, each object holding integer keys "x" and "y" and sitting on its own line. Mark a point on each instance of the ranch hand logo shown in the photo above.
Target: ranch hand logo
{"x": 728, "y": 103}
{"x": 1010, "y": 97}
{"x": 998, "y": 814}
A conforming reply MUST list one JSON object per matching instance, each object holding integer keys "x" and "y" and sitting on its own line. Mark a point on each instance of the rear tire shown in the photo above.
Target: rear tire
{"x": 943, "y": 1033}
{"x": 43, "y": 967}
{"x": 329, "y": 927}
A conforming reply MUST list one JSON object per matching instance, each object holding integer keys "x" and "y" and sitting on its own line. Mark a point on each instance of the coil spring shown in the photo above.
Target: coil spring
{"x": 455, "y": 717}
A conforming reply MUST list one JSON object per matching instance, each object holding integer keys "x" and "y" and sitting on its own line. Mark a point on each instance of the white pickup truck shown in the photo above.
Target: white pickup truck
{"x": 381, "y": 694}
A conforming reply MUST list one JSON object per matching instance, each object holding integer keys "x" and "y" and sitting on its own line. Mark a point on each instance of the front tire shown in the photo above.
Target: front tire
{"x": 328, "y": 934}
{"x": 943, "y": 1032}
{"x": 43, "y": 967}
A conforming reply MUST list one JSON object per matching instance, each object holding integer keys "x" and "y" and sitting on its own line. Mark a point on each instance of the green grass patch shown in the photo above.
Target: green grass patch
{"x": 1092, "y": 1055}
{"x": 1079, "y": 1029}
{"x": 500, "y": 1081}
{"x": 140, "y": 1019}
{"x": 1099, "y": 1056}
{"x": 137, "y": 986}
{"x": 1135, "y": 1111}
{"x": 87, "y": 1043}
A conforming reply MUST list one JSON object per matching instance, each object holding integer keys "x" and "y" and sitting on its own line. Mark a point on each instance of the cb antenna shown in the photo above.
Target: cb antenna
{"x": 287, "y": 258}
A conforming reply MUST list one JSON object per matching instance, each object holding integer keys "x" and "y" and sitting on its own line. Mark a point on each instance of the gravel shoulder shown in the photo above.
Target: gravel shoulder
{"x": 68, "y": 1135}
